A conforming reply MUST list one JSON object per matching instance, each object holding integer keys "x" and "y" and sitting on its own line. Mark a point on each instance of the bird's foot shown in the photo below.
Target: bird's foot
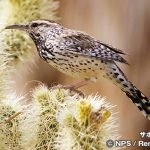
{"x": 75, "y": 86}
{"x": 73, "y": 89}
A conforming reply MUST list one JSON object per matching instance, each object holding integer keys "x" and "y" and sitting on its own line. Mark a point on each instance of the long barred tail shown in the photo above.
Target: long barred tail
{"x": 138, "y": 98}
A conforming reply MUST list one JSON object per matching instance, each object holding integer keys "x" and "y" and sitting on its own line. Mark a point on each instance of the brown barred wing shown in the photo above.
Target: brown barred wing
{"x": 82, "y": 44}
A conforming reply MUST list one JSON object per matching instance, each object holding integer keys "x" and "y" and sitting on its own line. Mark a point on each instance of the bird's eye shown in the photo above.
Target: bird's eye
{"x": 34, "y": 25}
{"x": 38, "y": 34}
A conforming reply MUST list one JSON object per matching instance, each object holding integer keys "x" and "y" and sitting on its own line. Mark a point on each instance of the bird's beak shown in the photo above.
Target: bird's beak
{"x": 19, "y": 27}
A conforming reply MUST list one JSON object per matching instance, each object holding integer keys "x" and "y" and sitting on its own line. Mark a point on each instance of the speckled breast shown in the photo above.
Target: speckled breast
{"x": 77, "y": 65}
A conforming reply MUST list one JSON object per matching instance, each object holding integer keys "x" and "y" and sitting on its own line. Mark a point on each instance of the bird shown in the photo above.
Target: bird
{"x": 78, "y": 54}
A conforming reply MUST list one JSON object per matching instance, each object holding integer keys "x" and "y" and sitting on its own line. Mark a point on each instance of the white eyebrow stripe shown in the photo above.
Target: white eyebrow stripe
{"x": 43, "y": 21}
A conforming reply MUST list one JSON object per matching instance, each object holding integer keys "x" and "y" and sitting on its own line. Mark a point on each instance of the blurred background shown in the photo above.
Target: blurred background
{"x": 122, "y": 24}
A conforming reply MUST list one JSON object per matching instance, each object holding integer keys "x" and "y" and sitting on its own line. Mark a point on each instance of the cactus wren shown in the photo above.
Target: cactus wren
{"x": 77, "y": 54}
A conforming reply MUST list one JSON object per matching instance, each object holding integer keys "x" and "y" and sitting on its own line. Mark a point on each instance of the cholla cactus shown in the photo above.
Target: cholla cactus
{"x": 60, "y": 119}
{"x": 20, "y": 45}
{"x": 10, "y": 135}
{"x": 85, "y": 124}
{"x": 57, "y": 119}
{"x": 4, "y": 69}
{"x": 40, "y": 120}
